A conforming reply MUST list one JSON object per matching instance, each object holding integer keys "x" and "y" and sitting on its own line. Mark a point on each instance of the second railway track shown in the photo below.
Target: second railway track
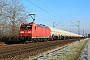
{"x": 21, "y": 51}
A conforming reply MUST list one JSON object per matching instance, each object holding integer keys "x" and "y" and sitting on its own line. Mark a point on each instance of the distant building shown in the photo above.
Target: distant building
{"x": 89, "y": 35}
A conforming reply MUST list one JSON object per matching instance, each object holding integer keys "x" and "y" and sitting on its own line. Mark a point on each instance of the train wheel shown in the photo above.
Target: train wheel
{"x": 34, "y": 39}
{"x": 23, "y": 42}
{"x": 52, "y": 39}
{"x": 44, "y": 39}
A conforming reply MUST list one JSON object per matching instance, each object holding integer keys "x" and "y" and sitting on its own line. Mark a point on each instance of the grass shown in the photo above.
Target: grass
{"x": 72, "y": 52}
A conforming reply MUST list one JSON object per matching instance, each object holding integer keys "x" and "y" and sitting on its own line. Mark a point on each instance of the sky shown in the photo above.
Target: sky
{"x": 63, "y": 11}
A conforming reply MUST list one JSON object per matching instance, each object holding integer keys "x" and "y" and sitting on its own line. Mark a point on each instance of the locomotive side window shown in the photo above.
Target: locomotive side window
{"x": 35, "y": 27}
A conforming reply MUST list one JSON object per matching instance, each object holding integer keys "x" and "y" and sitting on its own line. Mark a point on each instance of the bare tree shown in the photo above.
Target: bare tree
{"x": 12, "y": 15}
{"x": 2, "y": 19}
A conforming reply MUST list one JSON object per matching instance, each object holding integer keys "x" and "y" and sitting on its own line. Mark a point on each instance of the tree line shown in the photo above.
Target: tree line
{"x": 12, "y": 14}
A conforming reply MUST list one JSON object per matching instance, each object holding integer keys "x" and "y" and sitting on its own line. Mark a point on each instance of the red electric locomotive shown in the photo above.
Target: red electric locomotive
{"x": 34, "y": 32}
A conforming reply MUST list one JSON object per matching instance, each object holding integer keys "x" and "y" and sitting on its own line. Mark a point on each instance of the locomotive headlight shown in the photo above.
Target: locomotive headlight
{"x": 29, "y": 31}
{"x": 22, "y": 32}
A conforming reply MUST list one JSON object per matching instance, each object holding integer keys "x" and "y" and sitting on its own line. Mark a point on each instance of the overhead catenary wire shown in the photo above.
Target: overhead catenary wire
{"x": 43, "y": 18}
{"x": 43, "y": 9}
{"x": 47, "y": 7}
{"x": 37, "y": 15}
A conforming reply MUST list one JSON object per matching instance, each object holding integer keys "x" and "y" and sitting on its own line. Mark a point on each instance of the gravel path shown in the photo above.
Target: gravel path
{"x": 86, "y": 52}
{"x": 89, "y": 50}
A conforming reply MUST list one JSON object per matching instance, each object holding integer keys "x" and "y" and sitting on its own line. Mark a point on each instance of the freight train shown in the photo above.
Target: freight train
{"x": 39, "y": 32}
{"x": 33, "y": 32}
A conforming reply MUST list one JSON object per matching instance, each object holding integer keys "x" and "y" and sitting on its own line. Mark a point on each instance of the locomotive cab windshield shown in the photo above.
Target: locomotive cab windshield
{"x": 26, "y": 27}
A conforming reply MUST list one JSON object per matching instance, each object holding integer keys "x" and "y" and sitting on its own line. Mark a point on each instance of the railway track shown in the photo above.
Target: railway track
{"x": 21, "y": 51}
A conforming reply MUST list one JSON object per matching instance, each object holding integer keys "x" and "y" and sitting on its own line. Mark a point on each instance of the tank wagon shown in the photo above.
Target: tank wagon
{"x": 61, "y": 34}
{"x": 39, "y": 32}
